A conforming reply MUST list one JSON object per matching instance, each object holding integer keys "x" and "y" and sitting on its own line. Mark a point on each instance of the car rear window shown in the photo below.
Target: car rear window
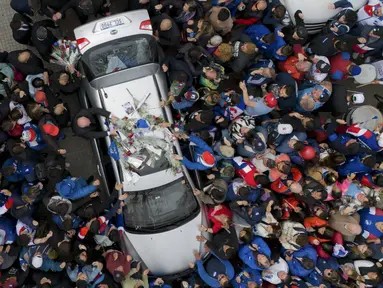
{"x": 120, "y": 54}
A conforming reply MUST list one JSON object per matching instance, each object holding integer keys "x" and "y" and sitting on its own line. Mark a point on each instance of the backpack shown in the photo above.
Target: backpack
{"x": 52, "y": 167}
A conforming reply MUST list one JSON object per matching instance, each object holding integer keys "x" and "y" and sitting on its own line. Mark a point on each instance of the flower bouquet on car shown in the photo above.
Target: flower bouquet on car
{"x": 65, "y": 53}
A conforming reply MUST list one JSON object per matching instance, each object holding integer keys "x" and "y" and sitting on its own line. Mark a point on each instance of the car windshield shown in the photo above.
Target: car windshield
{"x": 119, "y": 55}
{"x": 166, "y": 206}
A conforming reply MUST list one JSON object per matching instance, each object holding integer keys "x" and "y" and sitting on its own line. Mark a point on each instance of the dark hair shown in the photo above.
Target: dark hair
{"x": 7, "y": 170}
{"x": 276, "y": 230}
{"x": 262, "y": 180}
{"x": 7, "y": 125}
{"x": 350, "y": 16}
{"x": 17, "y": 149}
{"x": 235, "y": 99}
{"x": 223, "y": 14}
{"x": 310, "y": 125}
{"x": 287, "y": 50}
{"x": 114, "y": 236}
{"x": 37, "y": 82}
{"x": 16, "y": 114}
{"x": 216, "y": 194}
{"x": 45, "y": 285}
{"x": 327, "y": 247}
{"x": 270, "y": 163}
{"x": 269, "y": 38}
{"x": 89, "y": 212}
{"x": 62, "y": 209}
{"x": 353, "y": 148}
{"x": 328, "y": 233}
{"x": 227, "y": 284}
{"x": 337, "y": 158}
{"x": 279, "y": 11}
{"x": 342, "y": 46}
{"x": 379, "y": 180}
{"x": 286, "y": 168}
{"x": 248, "y": 236}
{"x": 65, "y": 248}
{"x": 302, "y": 240}
{"x": 324, "y": 215}
{"x": 194, "y": 54}
{"x": 23, "y": 240}
{"x": 299, "y": 145}
{"x": 369, "y": 161}
{"x": 230, "y": 253}
{"x": 243, "y": 191}
{"x": 15, "y": 24}
{"x": 95, "y": 226}
{"x": 192, "y": 5}
{"x": 2, "y": 76}
{"x": 289, "y": 90}
{"x": 307, "y": 263}
{"x": 330, "y": 178}
{"x": 67, "y": 224}
{"x": 81, "y": 284}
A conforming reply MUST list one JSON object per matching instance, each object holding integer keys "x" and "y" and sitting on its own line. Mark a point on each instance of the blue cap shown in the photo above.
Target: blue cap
{"x": 355, "y": 70}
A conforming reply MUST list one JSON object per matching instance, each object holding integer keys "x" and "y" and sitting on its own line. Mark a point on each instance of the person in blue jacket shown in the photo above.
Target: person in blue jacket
{"x": 16, "y": 170}
{"x": 275, "y": 12}
{"x": 357, "y": 164}
{"x": 7, "y": 230}
{"x": 327, "y": 270}
{"x": 256, "y": 255}
{"x": 32, "y": 137}
{"x": 301, "y": 262}
{"x": 186, "y": 101}
{"x": 238, "y": 190}
{"x": 75, "y": 188}
{"x": 291, "y": 142}
{"x": 203, "y": 155}
{"x": 312, "y": 98}
{"x": 231, "y": 5}
{"x": 215, "y": 272}
{"x": 247, "y": 278}
{"x": 343, "y": 21}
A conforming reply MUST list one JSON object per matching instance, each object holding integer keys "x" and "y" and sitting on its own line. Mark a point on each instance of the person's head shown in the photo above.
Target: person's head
{"x": 349, "y": 17}
{"x": 16, "y": 114}
{"x": 35, "y": 111}
{"x": 319, "y": 95}
{"x": 262, "y": 260}
{"x": 229, "y": 251}
{"x": 243, "y": 191}
{"x": 37, "y": 261}
{"x": 24, "y": 239}
{"x": 246, "y": 235}
{"x": 269, "y": 38}
{"x": 307, "y": 263}
{"x": 284, "y": 167}
{"x": 190, "y": 6}
{"x": 361, "y": 251}
{"x": 300, "y": 32}
{"x": 67, "y": 223}
{"x": 94, "y": 226}
{"x": 217, "y": 195}
{"x": 326, "y": 232}
{"x": 369, "y": 161}
{"x": 337, "y": 158}
{"x": 65, "y": 248}
{"x": 302, "y": 240}
{"x": 330, "y": 178}
{"x": 279, "y": 11}
{"x": 261, "y": 180}
{"x": 223, "y": 14}
{"x": 274, "y": 230}
{"x": 8, "y": 170}
{"x": 309, "y": 124}
{"x": 41, "y": 33}
{"x": 212, "y": 98}
{"x": 296, "y": 144}
{"x": 234, "y": 99}
{"x": 295, "y": 187}
{"x": 62, "y": 209}
{"x": 83, "y": 122}
{"x": 63, "y": 79}
{"x": 89, "y": 212}
{"x": 379, "y": 180}
{"x": 352, "y": 147}
{"x": 342, "y": 46}
{"x": 16, "y": 24}
{"x": 378, "y": 11}
{"x": 82, "y": 258}
{"x": 331, "y": 275}
{"x": 59, "y": 109}
{"x": 379, "y": 226}
{"x": 8, "y": 125}
{"x": 166, "y": 24}
{"x": 223, "y": 280}
{"x": 249, "y": 48}
{"x": 303, "y": 66}
{"x": 285, "y": 278}
{"x": 81, "y": 283}
{"x": 23, "y": 57}
{"x": 37, "y": 82}
{"x": 286, "y": 91}
{"x": 319, "y": 194}
{"x": 114, "y": 236}
{"x": 286, "y": 50}
{"x": 259, "y": 5}
{"x": 18, "y": 148}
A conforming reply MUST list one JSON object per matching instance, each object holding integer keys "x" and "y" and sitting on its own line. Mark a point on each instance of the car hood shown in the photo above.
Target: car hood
{"x": 168, "y": 252}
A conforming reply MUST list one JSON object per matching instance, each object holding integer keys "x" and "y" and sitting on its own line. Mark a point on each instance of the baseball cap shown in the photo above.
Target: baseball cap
{"x": 214, "y": 41}
{"x": 258, "y": 144}
{"x": 270, "y": 100}
{"x": 357, "y": 98}
{"x": 307, "y": 153}
{"x": 322, "y": 66}
{"x": 285, "y": 129}
{"x": 118, "y": 276}
{"x": 355, "y": 70}
{"x": 37, "y": 261}
{"x": 302, "y": 31}
{"x": 51, "y": 129}
{"x": 208, "y": 158}
{"x": 41, "y": 98}
{"x": 191, "y": 95}
{"x": 28, "y": 135}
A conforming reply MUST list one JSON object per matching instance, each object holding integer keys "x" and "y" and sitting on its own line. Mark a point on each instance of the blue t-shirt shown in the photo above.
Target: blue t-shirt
{"x": 259, "y": 109}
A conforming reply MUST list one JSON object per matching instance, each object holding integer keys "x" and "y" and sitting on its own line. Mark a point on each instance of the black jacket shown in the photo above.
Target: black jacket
{"x": 288, "y": 31}
{"x": 58, "y": 279}
{"x": 324, "y": 44}
{"x": 51, "y": 141}
{"x": 175, "y": 67}
{"x": 92, "y": 130}
{"x": 44, "y": 47}
{"x": 223, "y": 237}
{"x": 241, "y": 60}
{"x": 71, "y": 87}
{"x": 170, "y": 37}
{"x": 55, "y": 5}
{"x": 32, "y": 67}
{"x": 23, "y": 34}
{"x": 196, "y": 67}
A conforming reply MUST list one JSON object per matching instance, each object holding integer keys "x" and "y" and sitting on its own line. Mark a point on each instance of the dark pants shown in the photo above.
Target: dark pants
{"x": 21, "y": 6}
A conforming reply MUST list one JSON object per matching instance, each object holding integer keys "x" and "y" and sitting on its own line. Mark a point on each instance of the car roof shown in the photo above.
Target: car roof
{"x": 111, "y": 28}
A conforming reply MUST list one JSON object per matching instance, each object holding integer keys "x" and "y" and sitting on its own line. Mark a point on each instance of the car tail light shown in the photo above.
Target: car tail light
{"x": 82, "y": 43}
{"x": 146, "y": 25}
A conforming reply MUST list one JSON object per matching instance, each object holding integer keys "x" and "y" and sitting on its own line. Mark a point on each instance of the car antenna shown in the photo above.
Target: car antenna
{"x": 105, "y": 94}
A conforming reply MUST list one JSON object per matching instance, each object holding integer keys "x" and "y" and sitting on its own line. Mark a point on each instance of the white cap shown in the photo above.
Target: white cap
{"x": 357, "y": 98}
{"x": 37, "y": 261}
{"x": 380, "y": 140}
{"x": 214, "y": 41}
{"x": 285, "y": 129}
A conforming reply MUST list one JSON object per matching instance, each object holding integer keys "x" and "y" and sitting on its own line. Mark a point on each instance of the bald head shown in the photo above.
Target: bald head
{"x": 24, "y": 57}
{"x": 260, "y": 5}
{"x": 166, "y": 24}
{"x": 83, "y": 122}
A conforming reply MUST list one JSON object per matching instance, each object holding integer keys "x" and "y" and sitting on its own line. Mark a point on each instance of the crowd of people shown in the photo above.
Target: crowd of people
{"x": 294, "y": 195}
